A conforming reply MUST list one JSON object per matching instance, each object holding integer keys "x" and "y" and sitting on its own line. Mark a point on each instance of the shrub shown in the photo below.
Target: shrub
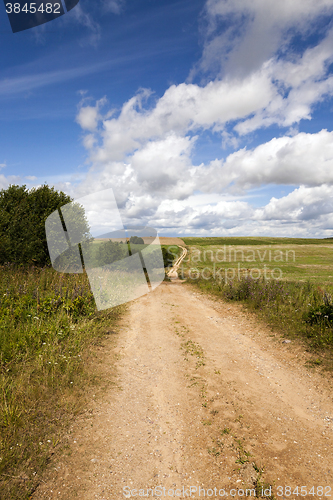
{"x": 109, "y": 252}
{"x": 23, "y": 214}
{"x": 136, "y": 240}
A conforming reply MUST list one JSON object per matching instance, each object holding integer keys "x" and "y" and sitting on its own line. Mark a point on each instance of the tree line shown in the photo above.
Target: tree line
{"x": 23, "y": 213}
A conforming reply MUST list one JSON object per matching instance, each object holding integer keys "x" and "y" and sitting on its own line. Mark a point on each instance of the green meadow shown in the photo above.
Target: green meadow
{"x": 272, "y": 258}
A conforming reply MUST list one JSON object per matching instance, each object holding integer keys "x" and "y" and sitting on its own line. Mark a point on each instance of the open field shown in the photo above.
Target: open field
{"x": 287, "y": 259}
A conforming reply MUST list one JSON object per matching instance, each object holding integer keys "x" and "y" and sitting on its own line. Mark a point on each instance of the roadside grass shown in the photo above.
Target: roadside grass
{"x": 298, "y": 305}
{"x": 48, "y": 325}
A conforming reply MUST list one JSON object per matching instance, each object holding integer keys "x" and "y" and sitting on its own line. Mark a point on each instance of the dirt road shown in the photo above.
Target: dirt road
{"x": 203, "y": 397}
{"x": 173, "y": 273}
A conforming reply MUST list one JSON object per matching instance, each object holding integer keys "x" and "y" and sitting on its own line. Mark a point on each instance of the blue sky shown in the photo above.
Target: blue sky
{"x": 205, "y": 117}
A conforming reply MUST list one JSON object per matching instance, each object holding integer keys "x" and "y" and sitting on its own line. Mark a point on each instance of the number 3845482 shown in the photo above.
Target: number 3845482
{"x": 304, "y": 491}
{"x": 30, "y": 8}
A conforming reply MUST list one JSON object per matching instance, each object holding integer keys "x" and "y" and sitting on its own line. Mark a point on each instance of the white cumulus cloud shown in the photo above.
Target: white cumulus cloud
{"x": 281, "y": 92}
{"x": 145, "y": 151}
{"x": 240, "y": 36}
{"x": 301, "y": 159}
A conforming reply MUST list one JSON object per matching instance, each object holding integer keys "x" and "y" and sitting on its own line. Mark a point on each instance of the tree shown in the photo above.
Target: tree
{"x": 109, "y": 252}
{"x": 23, "y": 214}
{"x": 136, "y": 240}
{"x": 168, "y": 257}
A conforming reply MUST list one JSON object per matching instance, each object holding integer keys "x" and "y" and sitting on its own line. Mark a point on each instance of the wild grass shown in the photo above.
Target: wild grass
{"x": 48, "y": 322}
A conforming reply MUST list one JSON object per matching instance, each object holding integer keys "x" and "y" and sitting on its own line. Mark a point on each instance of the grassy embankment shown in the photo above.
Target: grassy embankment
{"x": 287, "y": 282}
{"x": 48, "y": 324}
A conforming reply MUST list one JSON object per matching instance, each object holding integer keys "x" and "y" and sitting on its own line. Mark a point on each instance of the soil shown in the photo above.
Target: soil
{"x": 198, "y": 393}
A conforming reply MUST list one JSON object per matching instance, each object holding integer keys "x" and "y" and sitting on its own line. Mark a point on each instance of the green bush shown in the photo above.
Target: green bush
{"x": 109, "y": 252}
{"x": 23, "y": 214}
{"x": 170, "y": 256}
{"x": 136, "y": 240}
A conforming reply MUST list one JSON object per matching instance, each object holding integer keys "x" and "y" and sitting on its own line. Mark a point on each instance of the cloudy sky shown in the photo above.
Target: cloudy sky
{"x": 205, "y": 117}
